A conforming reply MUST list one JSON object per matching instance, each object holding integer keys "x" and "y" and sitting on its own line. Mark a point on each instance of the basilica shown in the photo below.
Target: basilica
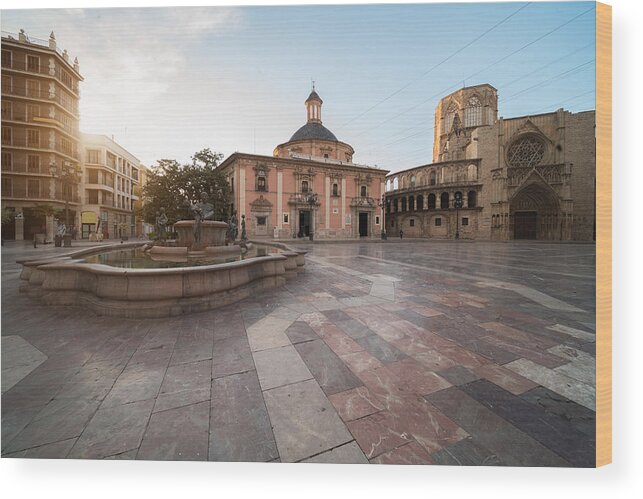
{"x": 310, "y": 186}
{"x": 495, "y": 178}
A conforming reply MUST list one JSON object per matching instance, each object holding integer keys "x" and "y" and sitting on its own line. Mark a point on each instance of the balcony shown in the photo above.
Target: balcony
{"x": 42, "y": 95}
{"x": 42, "y": 145}
{"x": 43, "y": 70}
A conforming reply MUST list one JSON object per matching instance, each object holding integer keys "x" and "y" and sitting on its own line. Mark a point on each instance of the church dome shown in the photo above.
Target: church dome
{"x": 315, "y": 131}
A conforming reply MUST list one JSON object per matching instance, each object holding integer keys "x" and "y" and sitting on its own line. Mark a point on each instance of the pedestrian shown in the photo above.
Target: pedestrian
{"x": 401, "y": 234}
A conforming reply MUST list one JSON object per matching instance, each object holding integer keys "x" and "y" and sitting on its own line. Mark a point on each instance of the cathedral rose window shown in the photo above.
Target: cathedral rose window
{"x": 528, "y": 151}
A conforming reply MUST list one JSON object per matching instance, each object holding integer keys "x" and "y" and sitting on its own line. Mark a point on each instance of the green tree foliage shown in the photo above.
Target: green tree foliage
{"x": 169, "y": 184}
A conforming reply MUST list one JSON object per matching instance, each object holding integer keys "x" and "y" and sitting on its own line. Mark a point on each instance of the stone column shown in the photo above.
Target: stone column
{"x": 327, "y": 202}
{"x": 344, "y": 203}
{"x": 280, "y": 188}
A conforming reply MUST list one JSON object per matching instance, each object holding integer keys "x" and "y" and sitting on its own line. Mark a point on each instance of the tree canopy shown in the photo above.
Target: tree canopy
{"x": 169, "y": 183}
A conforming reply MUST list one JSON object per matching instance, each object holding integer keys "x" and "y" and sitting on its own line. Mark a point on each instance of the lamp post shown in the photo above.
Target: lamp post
{"x": 69, "y": 176}
{"x": 382, "y": 205}
{"x": 458, "y": 205}
{"x": 311, "y": 200}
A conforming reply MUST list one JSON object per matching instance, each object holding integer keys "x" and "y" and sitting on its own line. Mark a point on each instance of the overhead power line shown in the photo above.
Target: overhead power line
{"x": 432, "y": 68}
{"x": 504, "y": 58}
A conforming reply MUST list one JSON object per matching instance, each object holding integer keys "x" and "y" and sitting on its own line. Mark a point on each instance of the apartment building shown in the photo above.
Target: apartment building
{"x": 40, "y": 136}
{"x": 111, "y": 180}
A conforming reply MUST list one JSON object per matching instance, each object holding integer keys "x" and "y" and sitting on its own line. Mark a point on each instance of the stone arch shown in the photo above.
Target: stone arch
{"x": 431, "y": 202}
{"x": 472, "y": 199}
{"x": 535, "y": 212}
{"x": 444, "y": 200}
{"x": 419, "y": 204}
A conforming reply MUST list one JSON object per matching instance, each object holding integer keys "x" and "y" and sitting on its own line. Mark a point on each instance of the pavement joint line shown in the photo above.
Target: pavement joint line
{"x": 534, "y": 295}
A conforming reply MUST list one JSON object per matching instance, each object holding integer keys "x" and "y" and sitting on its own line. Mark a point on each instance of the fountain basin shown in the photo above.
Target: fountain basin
{"x": 212, "y": 233}
{"x": 154, "y": 292}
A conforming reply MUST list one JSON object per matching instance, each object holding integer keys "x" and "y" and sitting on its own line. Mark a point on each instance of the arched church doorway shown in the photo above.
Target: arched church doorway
{"x": 535, "y": 213}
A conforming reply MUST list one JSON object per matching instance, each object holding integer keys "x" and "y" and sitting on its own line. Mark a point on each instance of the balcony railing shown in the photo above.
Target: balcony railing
{"x": 41, "y": 144}
{"x": 70, "y": 106}
{"x": 41, "y": 120}
{"x": 44, "y": 70}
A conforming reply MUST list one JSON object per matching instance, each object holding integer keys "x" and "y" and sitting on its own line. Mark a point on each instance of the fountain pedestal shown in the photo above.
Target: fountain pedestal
{"x": 212, "y": 234}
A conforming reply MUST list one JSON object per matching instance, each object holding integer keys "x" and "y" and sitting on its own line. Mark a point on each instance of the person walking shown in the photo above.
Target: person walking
{"x": 401, "y": 233}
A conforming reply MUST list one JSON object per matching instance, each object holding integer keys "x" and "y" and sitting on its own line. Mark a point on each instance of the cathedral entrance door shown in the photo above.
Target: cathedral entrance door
{"x": 304, "y": 223}
{"x": 363, "y": 224}
{"x": 525, "y": 225}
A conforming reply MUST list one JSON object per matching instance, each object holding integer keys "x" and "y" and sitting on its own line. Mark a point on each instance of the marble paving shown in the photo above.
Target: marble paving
{"x": 435, "y": 352}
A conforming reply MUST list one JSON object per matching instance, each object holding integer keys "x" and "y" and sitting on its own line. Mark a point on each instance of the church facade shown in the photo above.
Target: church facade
{"x": 528, "y": 177}
{"x": 309, "y": 187}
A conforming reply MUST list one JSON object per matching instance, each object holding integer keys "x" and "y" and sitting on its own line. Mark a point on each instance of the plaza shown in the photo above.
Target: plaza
{"x": 396, "y": 352}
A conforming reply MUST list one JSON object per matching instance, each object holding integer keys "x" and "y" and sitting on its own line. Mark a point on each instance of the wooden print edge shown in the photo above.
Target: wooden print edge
{"x": 603, "y": 234}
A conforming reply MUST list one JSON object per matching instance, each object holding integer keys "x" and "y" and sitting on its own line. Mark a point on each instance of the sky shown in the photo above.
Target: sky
{"x": 167, "y": 82}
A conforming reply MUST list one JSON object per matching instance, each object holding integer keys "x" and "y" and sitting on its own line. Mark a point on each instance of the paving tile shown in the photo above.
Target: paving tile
{"x": 137, "y": 382}
{"x": 94, "y": 380}
{"x": 338, "y": 341}
{"x": 580, "y": 417}
{"x": 231, "y": 355}
{"x": 380, "y": 349}
{"x": 330, "y": 372}
{"x": 411, "y": 453}
{"x": 304, "y": 421}
{"x": 518, "y": 337}
{"x": 354, "y": 328}
{"x": 19, "y": 358}
{"x": 360, "y": 361}
{"x": 513, "y": 447}
{"x": 179, "y": 434}
{"x": 56, "y": 450}
{"x": 280, "y": 366}
{"x": 490, "y": 351}
{"x": 300, "y": 331}
{"x": 240, "y": 429}
{"x": 378, "y": 433}
{"x": 61, "y": 419}
{"x": 557, "y": 382}
{"x": 113, "y": 430}
{"x": 349, "y": 453}
{"x": 543, "y": 358}
{"x": 268, "y": 332}
{"x": 184, "y": 384}
{"x": 550, "y": 430}
{"x": 505, "y": 378}
{"x": 355, "y": 403}
{"x": 458, "y": 375}
{"x": 336, "y": 315}
{"x": 466, "y": 452}
{"x": 416, "y": 378}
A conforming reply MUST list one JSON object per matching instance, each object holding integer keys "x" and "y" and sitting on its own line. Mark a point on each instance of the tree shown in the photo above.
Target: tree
{"x": 169, "y": 184}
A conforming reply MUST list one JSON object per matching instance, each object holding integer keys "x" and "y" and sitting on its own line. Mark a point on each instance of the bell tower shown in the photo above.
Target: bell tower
{"x": 313, "y": 107}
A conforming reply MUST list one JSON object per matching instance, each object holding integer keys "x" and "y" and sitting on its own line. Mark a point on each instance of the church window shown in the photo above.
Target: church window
{"x": 335, "y": 190}
{"x": 286, "y": 218}
{"x": 396, "y": 184}
{"x": 325, "y": 155}
{"x": 420, "y": 203}
{"x": 261, "y": 220}
{"x": 473, "y": 112}
{"x": 377, "y": 219}
{"x": 444, "y": 200}
{"x": 431, "y": 201}
{"x": 411, "y": 203}
{"x": 412, "y": 223}
{"x": 304, "y": 186}
{"x": 432, "y": 178}
{"x": 438, "y": 221}
{"x": 388, "y": 185}
{"x": 261, "y": 178}
{"x": 471, "y": 199}
{"x": 362, "y": 191}
{"x": 465, "y": 221}
{"x": 403, "y": 204}
{"x": 526, "y": 152}
{"x": 413, "y": 180}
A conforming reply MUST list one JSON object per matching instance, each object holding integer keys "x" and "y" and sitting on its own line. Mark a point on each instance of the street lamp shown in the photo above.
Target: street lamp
{"x": 69, "y": 176}
{"x": 382, "y": 205}
{"x": 311, "y": 200}
{"x": 458, "y": 205}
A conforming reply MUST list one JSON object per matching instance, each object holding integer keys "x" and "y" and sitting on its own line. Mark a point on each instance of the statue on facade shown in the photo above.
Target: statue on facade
{"x": 161, "y": 225}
